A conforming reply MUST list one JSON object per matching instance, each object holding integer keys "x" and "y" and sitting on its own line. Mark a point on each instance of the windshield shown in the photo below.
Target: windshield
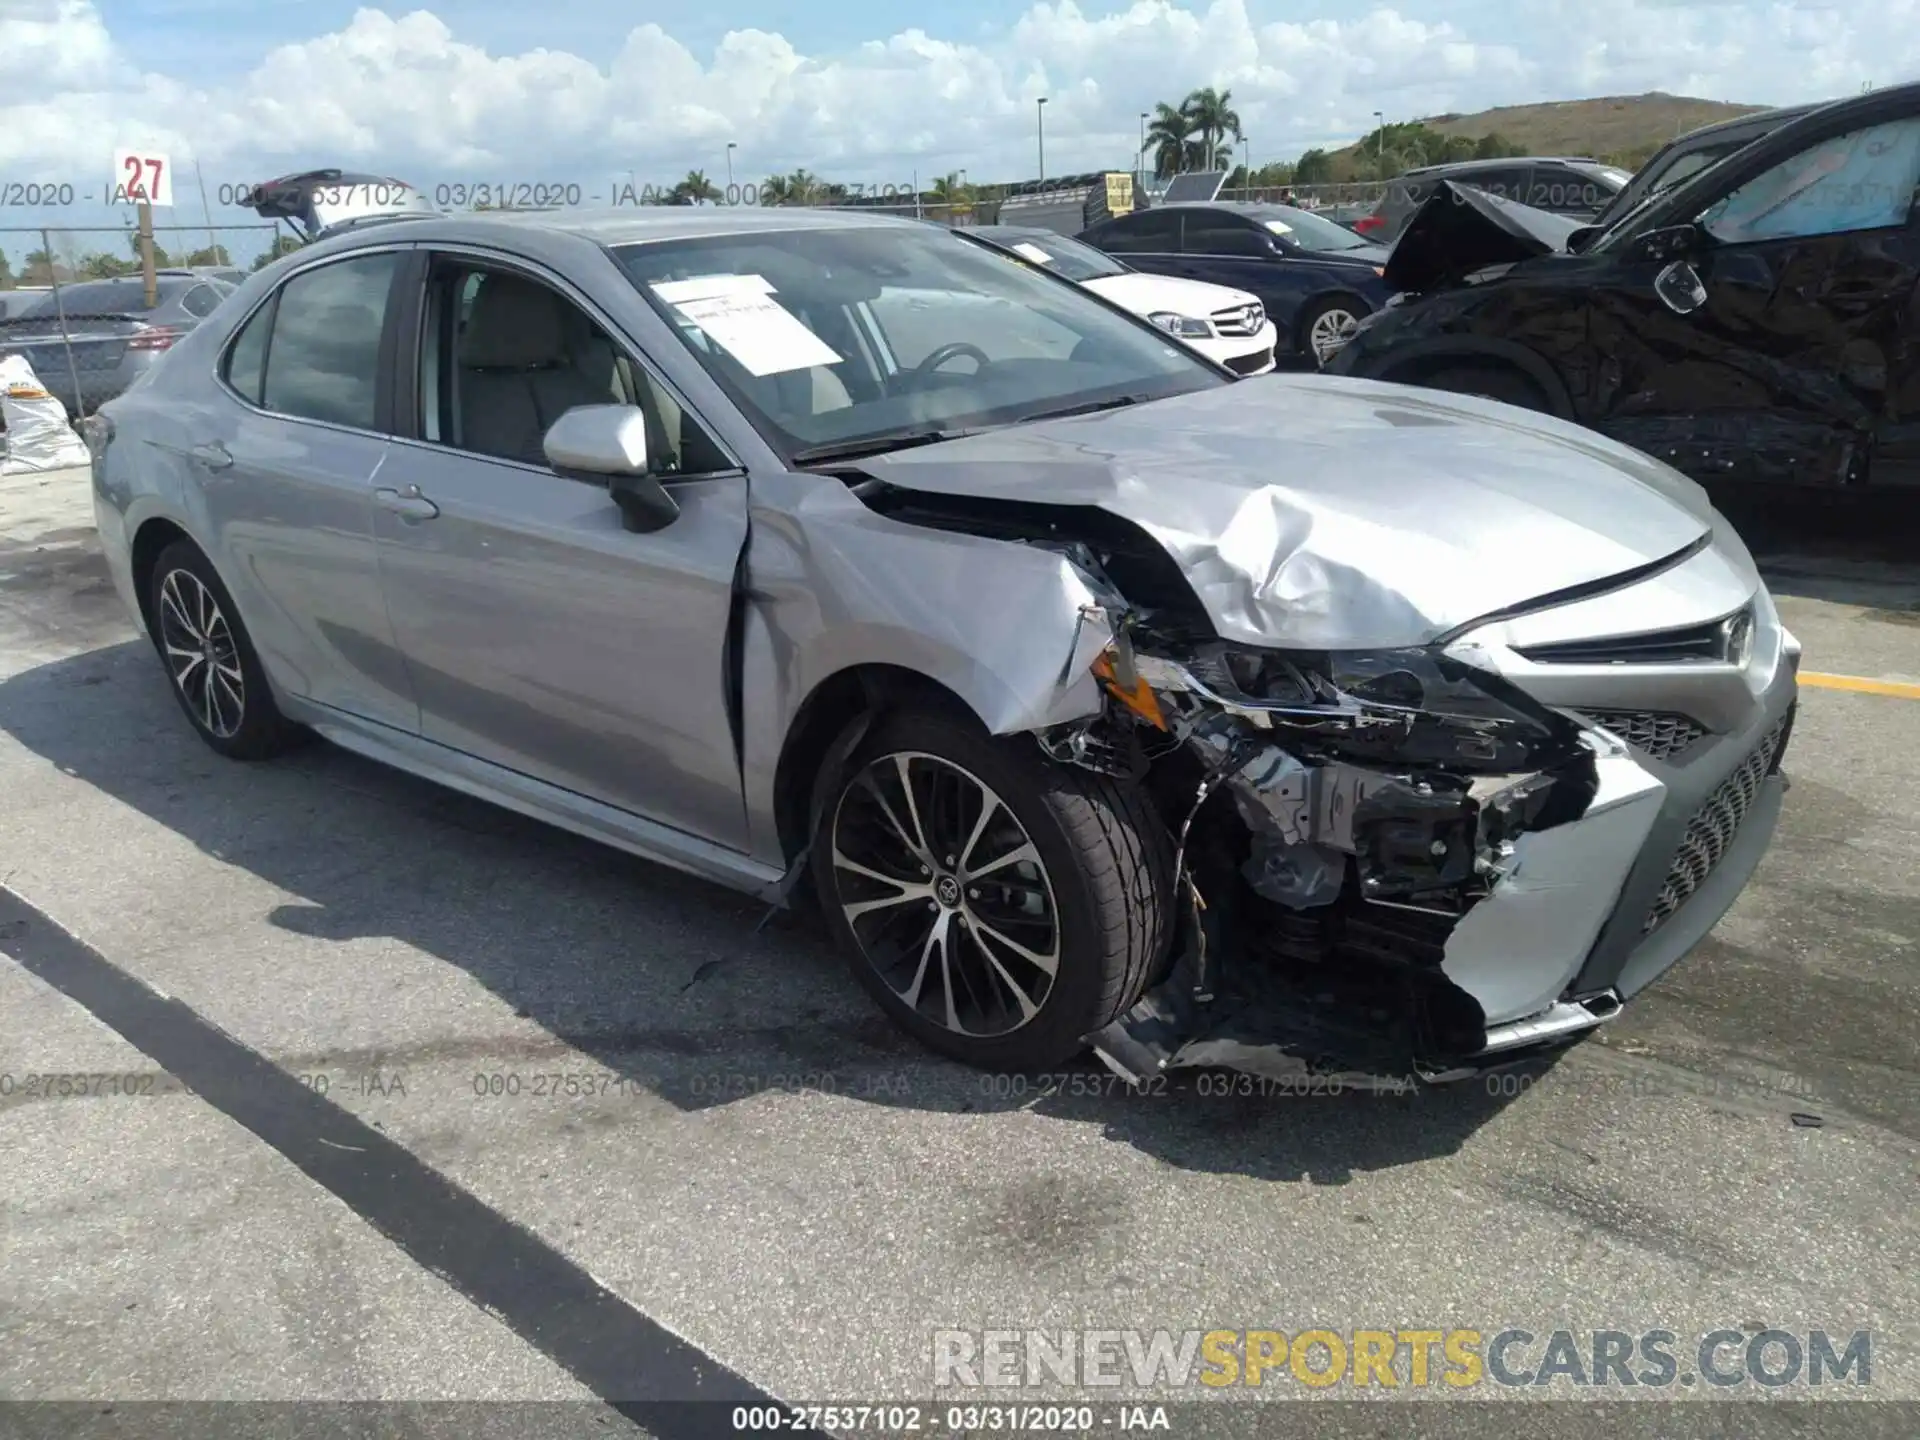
{"x": 850, "y": 337}
{"x": 1310, "y": 231}
{"x": 1069, "y": 258}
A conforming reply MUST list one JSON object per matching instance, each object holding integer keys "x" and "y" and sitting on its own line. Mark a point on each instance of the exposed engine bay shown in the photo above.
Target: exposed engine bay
{"x": 1337, "y": 819}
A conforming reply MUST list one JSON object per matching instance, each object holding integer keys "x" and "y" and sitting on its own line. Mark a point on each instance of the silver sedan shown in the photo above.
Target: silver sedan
{"x": 1097, "y": 698}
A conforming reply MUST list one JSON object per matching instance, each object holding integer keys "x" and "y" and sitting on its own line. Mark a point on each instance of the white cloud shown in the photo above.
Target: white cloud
{"x": 404, "y": 93}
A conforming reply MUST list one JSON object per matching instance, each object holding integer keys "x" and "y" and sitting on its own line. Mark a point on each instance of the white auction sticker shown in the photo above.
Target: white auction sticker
{"x": 739, "y": 314}
{"x": 142, "y": 175}
{"x": 1033, "y": 253}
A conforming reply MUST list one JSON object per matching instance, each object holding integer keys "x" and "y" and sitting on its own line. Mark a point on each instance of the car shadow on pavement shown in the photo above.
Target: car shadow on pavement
{"x": 694, "y": 992}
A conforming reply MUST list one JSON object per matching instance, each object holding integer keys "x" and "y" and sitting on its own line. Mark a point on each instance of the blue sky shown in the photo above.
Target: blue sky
{"x": 860, "y": 91}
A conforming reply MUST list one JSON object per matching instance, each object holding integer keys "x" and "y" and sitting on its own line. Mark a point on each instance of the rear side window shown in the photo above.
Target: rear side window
{"x": 1566, "y": 191}
{"x": 247, "y": 356}
{"x": 1507, "y": 183}
{"x": 1155, "y": 231}
{"x": 200, "y": 301}
{"x": 1209, "y": 232}
{"x": 325, "y": 353}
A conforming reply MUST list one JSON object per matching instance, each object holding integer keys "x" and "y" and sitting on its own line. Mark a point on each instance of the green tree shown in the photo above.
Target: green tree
{"x": 1315, "y": 167}
{"x": 805, "y": 188}
{"x": 102, "y": 266}
{"x": 1210, "y": 115}
{"x": 1168, "y": 135}
{"x": 6, "y": 272}
{"x": 282, "y": 245}
{"x": 696, "y": 189}
{"x": 950, "y": 192}
{"x": 160, "y": 257}
{"x": 1495, "y": 146}
{"x": 210, "y": 255}
{"x": 776, "y": 190}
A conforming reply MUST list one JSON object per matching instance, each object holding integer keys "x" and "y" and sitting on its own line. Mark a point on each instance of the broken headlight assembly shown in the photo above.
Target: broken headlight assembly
{"x": 1395, "y": 709}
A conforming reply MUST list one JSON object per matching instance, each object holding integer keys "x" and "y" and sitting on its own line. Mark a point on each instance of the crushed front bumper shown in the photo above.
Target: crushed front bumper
{"x": 1584, "y": 915}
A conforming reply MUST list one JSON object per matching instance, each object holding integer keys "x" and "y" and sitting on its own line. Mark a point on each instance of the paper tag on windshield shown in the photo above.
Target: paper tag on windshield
{"x": 1279, "y": 227}
{"x": 1033, "y": 253}
{"x": 739, "y": 314}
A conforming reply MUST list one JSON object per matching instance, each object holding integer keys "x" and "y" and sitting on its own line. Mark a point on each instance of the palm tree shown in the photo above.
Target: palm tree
{"x": 1168, "y": 137}
{"x": 776, "y": 190}
{"x": 805, "y": 188}
{"x": 1210, "y": 115}
{"x": 948, "y": 191}
{"x": 696, "y": 189}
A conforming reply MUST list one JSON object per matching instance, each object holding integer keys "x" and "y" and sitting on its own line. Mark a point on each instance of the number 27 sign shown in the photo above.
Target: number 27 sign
{"x": 142, "y": 175}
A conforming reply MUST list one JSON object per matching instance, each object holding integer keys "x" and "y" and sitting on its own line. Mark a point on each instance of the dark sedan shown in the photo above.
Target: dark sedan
{"x": 1316, "y": 279}
{"x": 113, "y": 334}
{"x": 1754, "y": 323}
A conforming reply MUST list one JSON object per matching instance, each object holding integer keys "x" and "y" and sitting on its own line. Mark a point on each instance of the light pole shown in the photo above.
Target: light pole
{"x": 1381, "y": 131}
{"x": 1246, "y": 168}
{"x": 1040, "y": 132}
{"x": 732, "y": 145}
{"x": 1140, "y": 158}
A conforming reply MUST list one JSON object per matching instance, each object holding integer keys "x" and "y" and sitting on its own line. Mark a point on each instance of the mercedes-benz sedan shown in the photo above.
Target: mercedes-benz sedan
{"x": 1097, "y": 698}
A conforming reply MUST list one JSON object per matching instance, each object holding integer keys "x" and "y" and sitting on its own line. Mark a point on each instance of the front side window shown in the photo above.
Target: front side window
{"x": 1860, "y": 181}
{"x": 324, "y": 356}
{"x": 506, "y": 355}
{"x": 844, "y": 336}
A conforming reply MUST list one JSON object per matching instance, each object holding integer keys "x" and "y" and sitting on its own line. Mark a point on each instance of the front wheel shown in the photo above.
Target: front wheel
{"x": 998, "y": 907}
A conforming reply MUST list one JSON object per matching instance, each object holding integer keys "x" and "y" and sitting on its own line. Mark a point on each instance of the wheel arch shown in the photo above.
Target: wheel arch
{"x": 1410, "y": 365}
{"x": 154, "y": 535}
{"x": 868, "y": 690}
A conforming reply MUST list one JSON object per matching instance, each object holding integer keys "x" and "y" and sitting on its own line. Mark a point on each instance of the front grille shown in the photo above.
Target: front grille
{"x": 1713, "y": 826}
{"x": 1247, "y": 364}
{"x": 1720, "y": 640}
{"x": 1663, "y": 734}
{"x": 1239, "y": 320}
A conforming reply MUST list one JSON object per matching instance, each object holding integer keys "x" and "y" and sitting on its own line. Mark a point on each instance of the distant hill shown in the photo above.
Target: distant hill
{"x": 1623, "y": 128}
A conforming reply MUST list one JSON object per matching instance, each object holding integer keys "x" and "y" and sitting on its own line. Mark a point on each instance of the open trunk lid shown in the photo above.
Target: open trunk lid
{"x": 317, "y": 201}
{"x": 1461, "y": 229}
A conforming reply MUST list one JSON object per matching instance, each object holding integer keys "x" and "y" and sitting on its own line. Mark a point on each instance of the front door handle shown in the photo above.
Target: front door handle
{"x": 213, "y": 455}
{"x": 408, "y": 504}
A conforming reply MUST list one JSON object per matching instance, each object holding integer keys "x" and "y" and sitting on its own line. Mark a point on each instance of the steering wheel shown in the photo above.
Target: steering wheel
{"x": 952, "y": 350}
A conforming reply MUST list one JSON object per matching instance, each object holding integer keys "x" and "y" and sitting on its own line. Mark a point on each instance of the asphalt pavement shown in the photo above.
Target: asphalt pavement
{"x": 374, "y": 1092}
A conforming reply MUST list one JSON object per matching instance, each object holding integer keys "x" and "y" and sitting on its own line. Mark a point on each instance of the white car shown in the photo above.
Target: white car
{"x": 1229, "y": 327}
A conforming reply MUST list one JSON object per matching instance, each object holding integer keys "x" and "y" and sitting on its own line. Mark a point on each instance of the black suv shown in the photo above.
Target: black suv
{"x": 1565, "y": 185}
{"x": 1693, "y": 152}
{"x": 1754, "y": 323}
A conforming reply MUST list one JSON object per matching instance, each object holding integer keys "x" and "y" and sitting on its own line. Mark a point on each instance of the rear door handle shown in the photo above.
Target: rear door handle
{"x": 213, "y": 455}
{"x": 408, "y": 504}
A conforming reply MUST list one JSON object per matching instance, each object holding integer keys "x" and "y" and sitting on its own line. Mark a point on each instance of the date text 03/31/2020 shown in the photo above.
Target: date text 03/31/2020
{"x": 891, "y": 1419}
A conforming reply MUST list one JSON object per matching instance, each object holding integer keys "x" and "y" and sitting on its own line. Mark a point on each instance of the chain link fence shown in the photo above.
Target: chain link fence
{"x": 73, "y": 300}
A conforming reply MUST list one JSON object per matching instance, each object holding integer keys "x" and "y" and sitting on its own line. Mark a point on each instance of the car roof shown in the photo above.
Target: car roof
{"x": 1501, "y": 163}
{"x": 635, "y": 224}
{"x": 1761, "y": 120}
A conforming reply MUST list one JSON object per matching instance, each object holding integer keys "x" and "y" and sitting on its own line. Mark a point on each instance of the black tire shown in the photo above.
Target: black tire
{"x": 1104, "y": 867}
{"x": 245, "y": 723}
{"x": 1489, "y": 382}
{"x": 1318, "y": 311}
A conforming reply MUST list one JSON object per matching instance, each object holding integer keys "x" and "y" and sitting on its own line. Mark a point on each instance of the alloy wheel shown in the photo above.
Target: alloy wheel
{"x": 1331, "y": 330}
{"x": 201, "y": 654}
{"x": 946, "y": 895}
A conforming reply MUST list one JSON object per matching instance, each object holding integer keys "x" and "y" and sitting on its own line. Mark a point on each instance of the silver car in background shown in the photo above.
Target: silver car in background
{"x": 1097, "y": 698}
{"x": 94, "y": 339}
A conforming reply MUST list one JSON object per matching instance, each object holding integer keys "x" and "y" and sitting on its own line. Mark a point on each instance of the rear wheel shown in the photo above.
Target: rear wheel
{"x": 999, "y": 908}
{"x": 1325, "y": 326}
{"x": 1489, "y": 382}
{"x": 210, "y": 659}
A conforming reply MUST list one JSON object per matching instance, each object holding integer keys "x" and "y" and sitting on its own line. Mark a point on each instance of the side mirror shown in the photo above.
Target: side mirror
{"x": 1674, "y": 242}
{"x": 1580, "y": 239}
{"x": 608, "y": 443}
{"x": 1680, "y": 288}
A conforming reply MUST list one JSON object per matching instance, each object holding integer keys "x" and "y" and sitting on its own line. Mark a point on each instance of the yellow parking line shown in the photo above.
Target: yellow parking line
{"x": 1897, "y": 688}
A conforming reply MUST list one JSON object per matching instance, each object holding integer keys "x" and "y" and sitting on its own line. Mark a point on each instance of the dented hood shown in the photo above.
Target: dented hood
{"x": 1460, "y": 228}
{"x": 1321, "y": 512}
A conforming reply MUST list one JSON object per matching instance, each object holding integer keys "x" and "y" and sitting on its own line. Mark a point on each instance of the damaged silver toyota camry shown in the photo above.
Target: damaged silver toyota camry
{"x": 1099, "y": 698}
